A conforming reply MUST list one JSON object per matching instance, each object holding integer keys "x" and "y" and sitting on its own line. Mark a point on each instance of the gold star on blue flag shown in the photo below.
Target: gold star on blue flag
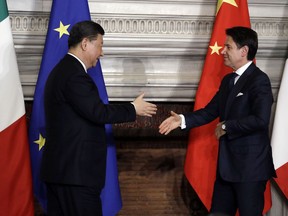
{"x": 62, "y": 29}
{"x": 40, "y": 141}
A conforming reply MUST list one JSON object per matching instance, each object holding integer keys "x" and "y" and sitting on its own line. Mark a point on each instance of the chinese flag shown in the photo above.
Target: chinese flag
{"x": 202, "y": 150}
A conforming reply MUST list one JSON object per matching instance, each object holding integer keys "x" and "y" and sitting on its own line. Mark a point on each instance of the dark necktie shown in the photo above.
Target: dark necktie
{"x": 232, "y": 80}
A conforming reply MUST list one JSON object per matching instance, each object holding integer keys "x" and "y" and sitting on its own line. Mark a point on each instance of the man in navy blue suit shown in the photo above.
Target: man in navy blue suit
{"x": 243, "y": 105}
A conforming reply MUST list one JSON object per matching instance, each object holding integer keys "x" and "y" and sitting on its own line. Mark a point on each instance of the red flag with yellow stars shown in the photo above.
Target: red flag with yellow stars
{"x": 202, "y": 150}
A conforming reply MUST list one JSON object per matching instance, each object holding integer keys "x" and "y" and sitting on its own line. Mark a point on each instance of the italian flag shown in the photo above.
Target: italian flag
{"x": 279, "y": 135}
{"x": 16, "y": 197}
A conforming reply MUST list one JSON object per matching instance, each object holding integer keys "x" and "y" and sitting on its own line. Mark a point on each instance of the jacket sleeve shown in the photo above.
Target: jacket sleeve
{"x": 204, "y": 115}
{"x": 83, "y": 95}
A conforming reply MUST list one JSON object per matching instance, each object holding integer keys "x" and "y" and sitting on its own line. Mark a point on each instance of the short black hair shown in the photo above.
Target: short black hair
{"x": 84, "y": 29}
{"x": 244, "y": 36}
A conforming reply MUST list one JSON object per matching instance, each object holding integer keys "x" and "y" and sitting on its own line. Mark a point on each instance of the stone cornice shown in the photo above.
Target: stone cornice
{"x": 148, "y": 44}
{"x": 187, "y": 35}
{"x": 36, "y": 23}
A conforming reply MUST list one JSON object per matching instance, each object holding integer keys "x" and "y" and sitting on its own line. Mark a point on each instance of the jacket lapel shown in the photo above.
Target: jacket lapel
{"x": 238, "y": 86}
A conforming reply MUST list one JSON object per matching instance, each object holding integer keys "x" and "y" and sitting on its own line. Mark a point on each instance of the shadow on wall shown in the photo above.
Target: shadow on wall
{"x": 134, "y": 76}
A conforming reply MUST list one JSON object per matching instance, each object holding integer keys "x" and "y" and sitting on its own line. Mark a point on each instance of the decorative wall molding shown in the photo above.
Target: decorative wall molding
{"x": 138, "y": 49}
{"x": 169, "y": 26}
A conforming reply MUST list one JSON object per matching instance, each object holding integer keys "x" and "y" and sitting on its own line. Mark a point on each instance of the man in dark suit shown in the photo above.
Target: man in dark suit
{"x": 74, "y": 158}
{"x": 243, "y": 105}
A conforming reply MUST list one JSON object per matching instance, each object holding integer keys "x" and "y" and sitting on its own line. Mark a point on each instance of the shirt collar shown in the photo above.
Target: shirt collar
{"x": 79, "y": 61}
{"x": 241, "y": 70}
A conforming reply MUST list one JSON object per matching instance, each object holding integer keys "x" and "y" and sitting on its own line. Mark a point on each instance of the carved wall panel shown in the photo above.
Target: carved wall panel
{"x": 159, "y": 50}
{"x": 161, "y": 56}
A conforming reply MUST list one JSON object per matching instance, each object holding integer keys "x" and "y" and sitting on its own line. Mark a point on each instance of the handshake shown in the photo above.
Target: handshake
{"x": 144, "y": 108}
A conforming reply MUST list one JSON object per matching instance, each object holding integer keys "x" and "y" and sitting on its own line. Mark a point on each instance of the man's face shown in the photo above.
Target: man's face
{"x": 94, "y": 50}
{"x": 233, "y": 57}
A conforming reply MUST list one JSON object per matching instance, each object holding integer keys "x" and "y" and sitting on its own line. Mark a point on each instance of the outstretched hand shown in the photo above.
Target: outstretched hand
{"x": 144, "y": 108}
{"x": 170, "y": 123}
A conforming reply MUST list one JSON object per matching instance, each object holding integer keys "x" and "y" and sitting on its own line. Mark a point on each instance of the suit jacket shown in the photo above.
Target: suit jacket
{"x": 244, "y": 152}
{"x": 75, "y": 149}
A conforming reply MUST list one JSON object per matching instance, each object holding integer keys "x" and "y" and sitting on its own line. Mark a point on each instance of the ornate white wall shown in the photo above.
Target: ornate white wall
{"x": 156, "y": 46}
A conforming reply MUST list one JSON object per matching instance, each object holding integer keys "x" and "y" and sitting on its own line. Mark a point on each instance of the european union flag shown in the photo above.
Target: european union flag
{"x": 64, "y": 14}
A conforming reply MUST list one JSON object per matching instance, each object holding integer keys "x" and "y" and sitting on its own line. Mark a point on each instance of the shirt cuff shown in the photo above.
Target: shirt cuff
{"x": 183, "y": 122}
{"x": 133, "y": 105}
